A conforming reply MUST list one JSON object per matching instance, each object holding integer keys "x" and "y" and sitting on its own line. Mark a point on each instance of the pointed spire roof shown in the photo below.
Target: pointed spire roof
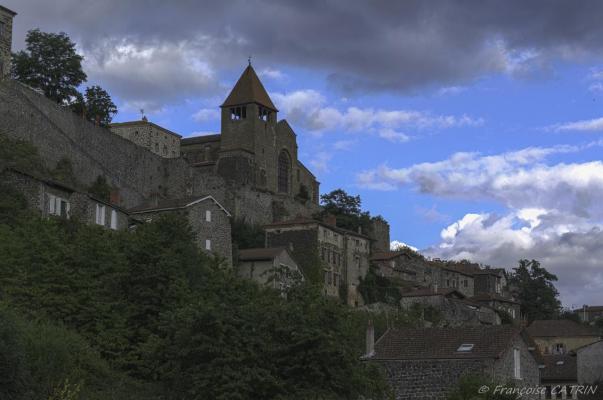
{"x": 249, "y": 89}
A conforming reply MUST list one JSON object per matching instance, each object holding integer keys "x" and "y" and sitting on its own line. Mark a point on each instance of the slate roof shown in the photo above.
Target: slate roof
{"x": 443, "y": 343}
{"x": 492, "y": 297}
{"x": 559, "y": 368}
{"x": 173, "y": 204}
{"x": 11, "y": 12}
{"x": 259, "y": 254}
{"x": 559, "y": 328}
{"x": 249, "y": 89}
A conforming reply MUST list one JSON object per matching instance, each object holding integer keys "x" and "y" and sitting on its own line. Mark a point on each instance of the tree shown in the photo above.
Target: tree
{"x": 50, "y": 63}
{"x": 98, "y": 106}
{"x": 536, "y": 291}
{"x": 346, "y": 209}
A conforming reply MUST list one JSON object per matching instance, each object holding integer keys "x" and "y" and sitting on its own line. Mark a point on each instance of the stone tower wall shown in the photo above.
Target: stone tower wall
{"x": 6, "y": 34}
{"x": 380, "y": 235}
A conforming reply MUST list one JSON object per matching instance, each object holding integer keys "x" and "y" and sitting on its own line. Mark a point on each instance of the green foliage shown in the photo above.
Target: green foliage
{"x": 378, "y": 289}
{"x": 96, "y": 105}
{"x": 570, "y": 314}
{"x": 19, "y": 154}
{"x": 100, "y": 188}
{"x": 245, "y": 235}
{"x": 50, "y": 63}
{"x": 536, "y": 291}
{"x": 145, "y": 314}
{"x": 63, "y": 172}
{"x": 346, "y": 209}
{"x": 469, "y": 387}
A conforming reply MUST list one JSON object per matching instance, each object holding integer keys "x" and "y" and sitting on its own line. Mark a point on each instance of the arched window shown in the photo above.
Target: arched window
{"x": 284, "y": 168}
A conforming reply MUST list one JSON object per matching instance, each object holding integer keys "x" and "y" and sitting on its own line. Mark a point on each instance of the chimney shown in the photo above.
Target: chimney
{"x": 330, "y": 219}
{"x": 370, "y": 339}
{"x": 114, "y": 197}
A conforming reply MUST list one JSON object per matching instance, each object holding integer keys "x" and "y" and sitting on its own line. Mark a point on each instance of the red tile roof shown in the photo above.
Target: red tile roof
{"x": 559, "y": 328}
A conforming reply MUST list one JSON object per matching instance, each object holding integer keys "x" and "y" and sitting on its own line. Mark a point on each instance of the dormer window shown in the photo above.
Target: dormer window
{"x": 263, "y": 113}
{"x": 238, "y": 113}
{"x": 465, "y": 348}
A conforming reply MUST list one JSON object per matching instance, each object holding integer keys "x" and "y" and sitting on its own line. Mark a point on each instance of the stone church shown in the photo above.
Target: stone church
{"x": 254, "y": 148}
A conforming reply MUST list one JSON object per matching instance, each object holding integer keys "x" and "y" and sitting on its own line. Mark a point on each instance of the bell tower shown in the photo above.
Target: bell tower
{"x": 248, "y": 128}
{"x": 6, "y": 37}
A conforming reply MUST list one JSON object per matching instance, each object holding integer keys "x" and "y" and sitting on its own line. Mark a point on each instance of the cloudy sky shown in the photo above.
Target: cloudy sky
{"x": 474, "y": 127}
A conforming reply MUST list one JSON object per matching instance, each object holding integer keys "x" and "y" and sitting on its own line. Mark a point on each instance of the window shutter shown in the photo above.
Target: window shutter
{"x": 208, "y": 215}
{"x": 114, "y": 219}
{"x": 207, "y": 244}
{"x": 51, "y": 204}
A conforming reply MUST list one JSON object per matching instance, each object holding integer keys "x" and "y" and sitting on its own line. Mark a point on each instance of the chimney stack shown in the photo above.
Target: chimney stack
{"x": 370, "y": 339}
{"x": 330, "y": 219}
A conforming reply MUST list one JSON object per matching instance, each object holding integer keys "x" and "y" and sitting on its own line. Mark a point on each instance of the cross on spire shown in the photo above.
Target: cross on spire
{"x": 249, "y": 60}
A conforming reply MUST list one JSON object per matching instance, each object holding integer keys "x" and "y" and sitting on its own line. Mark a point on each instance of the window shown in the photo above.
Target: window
{"x": 238, "y": 113}
{"x": 113, "y": 219}
{"x": 284, "y": 168}
{"x": 156, "y": 147}
{"x": 207, "y": 244}
{"x": 165, "y": 151}
{"x": 58, "y": 206}
{"x": 517, "y": 364}
{"x": 263, "y": 113}
{"x": 465, "y": 347}
{"x": 208, "y": 215}
{"x": 559, "y": 348}
{"x": 100, "y": 214}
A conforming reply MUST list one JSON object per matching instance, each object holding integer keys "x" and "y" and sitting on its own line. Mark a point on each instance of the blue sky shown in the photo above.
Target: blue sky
{"x": 474, "y": 128}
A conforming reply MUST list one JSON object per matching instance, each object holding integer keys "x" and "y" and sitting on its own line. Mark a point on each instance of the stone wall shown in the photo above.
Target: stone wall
{"x": 152, "y": 137}
{"x": 590, "y": 364}
{"x": 454, "y": 312}
{"x": 504, "y": 368}
{"x": 93, "y": 151}
{"x": 380, "y": 235}
{"x": 429, "y": 379}
{"x": 6, "y": 30}
{"x": 303, "y": 243}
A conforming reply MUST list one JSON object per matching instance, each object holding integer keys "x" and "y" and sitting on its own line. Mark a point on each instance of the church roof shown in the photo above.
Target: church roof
{"x": 249, "y": 89}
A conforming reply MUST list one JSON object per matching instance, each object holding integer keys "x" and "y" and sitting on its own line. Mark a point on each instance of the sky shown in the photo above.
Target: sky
{"x": 474, "y": 127}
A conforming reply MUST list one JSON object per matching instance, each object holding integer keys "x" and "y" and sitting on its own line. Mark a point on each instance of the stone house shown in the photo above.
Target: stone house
{"x": 427, "y": 363}
{"x": 398, "y": 265}
{"x": 208, "y": 219}
{"x": 490, "y": 280}
{"x": 554, "y": 337}
{"x": 155, "y": 138}
{"x": 342, "y": 255}
{"x": 272, "y": 267}
{"x": 451, "y": 278}
{"x": 558, "y": 375}
{"x": 52, "y": 198}
{"x": 499, "y": 303}
{"x": 453, "y": 305}
{"x": 6, "y": 33}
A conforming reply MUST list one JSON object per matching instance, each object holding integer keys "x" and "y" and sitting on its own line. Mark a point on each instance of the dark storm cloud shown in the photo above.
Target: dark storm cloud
{"x": 397, "y": 46}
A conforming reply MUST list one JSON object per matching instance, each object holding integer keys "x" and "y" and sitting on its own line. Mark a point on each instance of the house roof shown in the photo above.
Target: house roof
{"x": 443, "y": 343}
{"x": 559, "y": 368}
{"x": 592, "y": 309}
{"x": 142, "y": 123}
{"x": 174, "y": 204}
{"x": 200, "y": 139}
{"x": 559, "y": 328}
{"x": 492, "y": 297}
{"x": 423, "y": 292}
{"x": 11, "y": 12}
{"x": 249, "y": 89}
{"x": 258, "y": 254}
{"x": 310, "y": 221}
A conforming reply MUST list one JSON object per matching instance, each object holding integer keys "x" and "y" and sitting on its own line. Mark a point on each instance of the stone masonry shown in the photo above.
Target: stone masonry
{"x": 153, "y": 137}
{"x": 6, "y": 28}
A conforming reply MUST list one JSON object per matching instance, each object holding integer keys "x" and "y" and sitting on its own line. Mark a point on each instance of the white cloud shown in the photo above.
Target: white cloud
{"x": 568, "y": 246}
{"x": 207, "y": 114}
{"x": 308, "y": 110}
{"x": 587, "y": 125}
{"x": 344, "y": 144}
{"x": 451, "y": 90}
{"x": 321, "y": 161}
{"x": 272, "y": 73}
{"x": 396, "y": 245}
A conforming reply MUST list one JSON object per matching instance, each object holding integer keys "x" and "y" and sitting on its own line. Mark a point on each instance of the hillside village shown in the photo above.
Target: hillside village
{"x": 249, "y": 174}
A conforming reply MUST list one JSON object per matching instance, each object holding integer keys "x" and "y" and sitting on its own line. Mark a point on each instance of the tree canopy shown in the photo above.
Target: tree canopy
{"x": 96, "y": 105}
{"x": 50, "y": 63}
{"x": 535, "y": 290}
{"x": 347, "y": 210}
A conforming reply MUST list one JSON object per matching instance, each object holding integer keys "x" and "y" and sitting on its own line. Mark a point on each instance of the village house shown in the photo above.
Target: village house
{"x": 343, "y": 254}
{"x": 56, "y": 199}
{"x": 271, "y": 267}
{"x": 555, "y": 337}
{"x": 500, "y": 303}
{"x": 589, "y": 363}
{"x": 427, "y": 363}
{"x": 209, "y": 220}
{"x": 454, "y": 307}
{"x": 490, "y": 280}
